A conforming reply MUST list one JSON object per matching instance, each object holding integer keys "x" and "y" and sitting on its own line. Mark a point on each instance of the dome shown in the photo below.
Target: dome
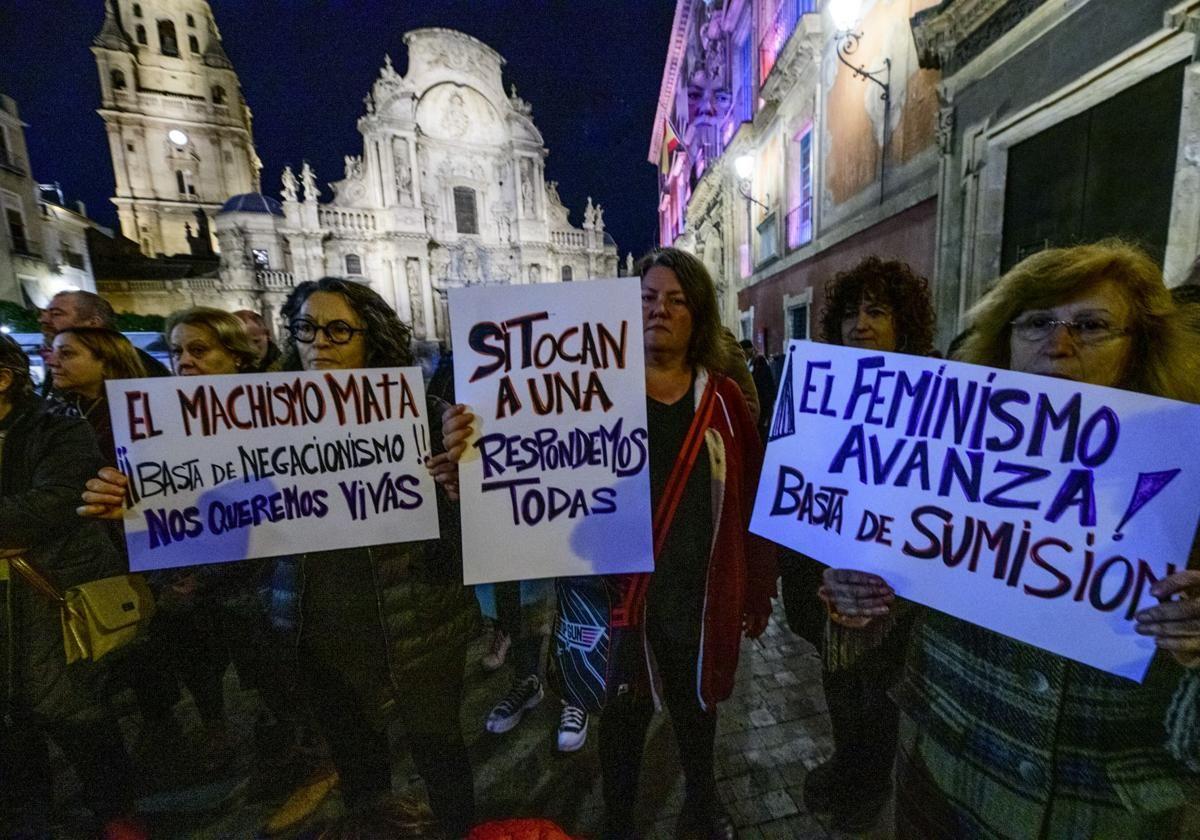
{"x": 252, "y": 203}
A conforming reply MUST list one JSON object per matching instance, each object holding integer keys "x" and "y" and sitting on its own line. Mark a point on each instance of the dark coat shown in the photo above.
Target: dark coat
{"x": 426, "y": 616}
{"x": 44, "y": 462}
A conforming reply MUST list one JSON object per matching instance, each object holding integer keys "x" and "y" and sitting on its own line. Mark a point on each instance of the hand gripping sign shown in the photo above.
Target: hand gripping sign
{"x": 555, "y": 481}
{"x": 1039, "y": 508}
{"x": 226, "y": 468}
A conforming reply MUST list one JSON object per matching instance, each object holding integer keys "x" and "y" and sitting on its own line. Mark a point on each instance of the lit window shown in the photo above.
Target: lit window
{"x": 167, "y": 43}
{"x": 466, "y": 219}
{"x": 800, "y": 214}
{"x": 353, "y": 264}
{"x": 262, "y": 259}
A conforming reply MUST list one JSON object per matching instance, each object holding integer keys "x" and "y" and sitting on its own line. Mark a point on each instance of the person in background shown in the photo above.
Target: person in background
{"x": 81, "y": 361}
{"x": 764, "y": 384}
{"x": 1002, "y": 739}
{"x": 266, "y": 353}
{"x": 84, "y": 309}
{"x": 876, "y": 305}
{"x": 44, "y": 462}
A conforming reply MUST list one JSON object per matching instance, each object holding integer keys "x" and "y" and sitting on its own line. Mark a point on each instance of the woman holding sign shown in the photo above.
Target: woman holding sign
{"x": 383, "y": 626}
{"x": 713, "y": 580}
{"x": 1001, "y": 739}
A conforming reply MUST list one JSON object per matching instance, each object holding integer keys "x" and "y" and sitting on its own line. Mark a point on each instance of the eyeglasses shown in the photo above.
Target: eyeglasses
{"x": 1084, "y": 331}
{"x": 339, "y": 332}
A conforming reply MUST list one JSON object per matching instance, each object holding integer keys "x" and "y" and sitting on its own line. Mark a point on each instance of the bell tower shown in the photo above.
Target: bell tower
{"x": 179, "y": 130}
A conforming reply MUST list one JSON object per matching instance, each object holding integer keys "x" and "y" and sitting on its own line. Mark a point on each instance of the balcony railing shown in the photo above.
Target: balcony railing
{"x": 799, "y": 225}
{"x": 787, "y": 15}
{"x": 273, "y": 279}
{"x": 346, "y": 220}
{"x": 568, "y": 238}
{"x": 768, "y": 240}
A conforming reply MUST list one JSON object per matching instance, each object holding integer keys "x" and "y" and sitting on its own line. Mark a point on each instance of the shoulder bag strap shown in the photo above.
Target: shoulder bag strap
{"x": 629, "y": 611}
{"x": 36, "y": 579}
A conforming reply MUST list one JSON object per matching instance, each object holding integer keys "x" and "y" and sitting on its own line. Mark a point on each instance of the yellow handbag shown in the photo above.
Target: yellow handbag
{"x": 98, "y": 616}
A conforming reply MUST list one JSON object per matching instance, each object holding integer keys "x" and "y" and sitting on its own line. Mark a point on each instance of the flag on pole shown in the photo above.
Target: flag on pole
{"x": 670, "y": 143}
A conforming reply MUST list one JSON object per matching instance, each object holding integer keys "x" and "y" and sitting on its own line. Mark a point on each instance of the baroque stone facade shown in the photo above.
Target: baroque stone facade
{"x": 448, "y": 190}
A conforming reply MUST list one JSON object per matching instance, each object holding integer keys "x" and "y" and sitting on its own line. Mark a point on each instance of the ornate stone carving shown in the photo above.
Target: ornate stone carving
{"x": 589, "y": 215}
{"x": 416, "y": 301}
{"x": 527, "y": 207}
{"x": 289, "y": 184}
{"x": 354, "y": 167}
{"x": 403, "y": 170}
{"x": 309, "y": 179}
{"x": 455, "y": 121}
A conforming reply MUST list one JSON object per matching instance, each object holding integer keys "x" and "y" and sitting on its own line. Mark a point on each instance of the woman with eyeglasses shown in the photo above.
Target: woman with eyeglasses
{"x": 383, "y": 630}
{"x": 1001, "y": 739}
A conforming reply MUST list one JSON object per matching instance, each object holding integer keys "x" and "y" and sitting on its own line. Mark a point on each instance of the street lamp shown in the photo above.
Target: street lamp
{"x": 845, "y": 15}
{"x": 743, "y": 167}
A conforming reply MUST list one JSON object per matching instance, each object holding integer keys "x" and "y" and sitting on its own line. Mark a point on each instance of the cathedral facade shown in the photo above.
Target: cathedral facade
{"x": 449, "y": 189}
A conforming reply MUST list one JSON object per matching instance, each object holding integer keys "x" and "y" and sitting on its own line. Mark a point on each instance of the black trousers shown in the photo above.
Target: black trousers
{"x": 428, "y": 706}
{"x": 94, "y": 748}
{"x": 623, "y": 727}
{"x": 526, "y": 650}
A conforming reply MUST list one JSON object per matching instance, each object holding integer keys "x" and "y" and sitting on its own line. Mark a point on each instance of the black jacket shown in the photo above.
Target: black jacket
{"x": 44, "y": 462}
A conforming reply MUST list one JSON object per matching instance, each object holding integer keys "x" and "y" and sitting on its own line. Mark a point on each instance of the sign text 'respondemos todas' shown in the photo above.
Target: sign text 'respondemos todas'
{"x": 556, "y": 479}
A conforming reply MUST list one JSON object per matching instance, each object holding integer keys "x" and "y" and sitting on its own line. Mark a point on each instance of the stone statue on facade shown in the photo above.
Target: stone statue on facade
{"x": 354, "y": 167}
{"x": 403, "y": 170}
{"x": 416, "y": 301}
{"x": 289, "y": 184}
{"x": 535, "y": 273}
{"x": 589, "y": 215}
{"x": 599, "y": 218}
{"x": 628, "y": 263}
{"x": 309, "y": 179}
{"x": 456, "y": 122}
{"x": 526, "y": 188}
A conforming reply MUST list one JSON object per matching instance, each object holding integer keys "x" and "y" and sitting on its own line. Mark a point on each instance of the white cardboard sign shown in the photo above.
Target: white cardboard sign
{"x": 1039, "y": 508}
{"x": 556, "y": 480}
{"x": 226, "y": 468}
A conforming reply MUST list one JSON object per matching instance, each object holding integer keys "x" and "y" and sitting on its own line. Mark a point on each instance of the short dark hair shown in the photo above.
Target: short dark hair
{"x": 746, "y": 344}
{"x": 705, "y": 346}
{"x": 91, "y": 305}
{"x": 388, "y": 338}
{"x": 14, "y": 360}
{"x": 889, "y": 282}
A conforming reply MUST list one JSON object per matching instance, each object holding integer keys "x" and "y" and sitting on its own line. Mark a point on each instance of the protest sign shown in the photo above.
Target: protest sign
{"x": 226, "y": 468}
{"x": 1039, "y": 508}
{"x": 556, "y": 479}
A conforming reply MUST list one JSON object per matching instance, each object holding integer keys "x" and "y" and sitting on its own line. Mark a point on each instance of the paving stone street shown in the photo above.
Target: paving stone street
{"x": 771, "y": 732}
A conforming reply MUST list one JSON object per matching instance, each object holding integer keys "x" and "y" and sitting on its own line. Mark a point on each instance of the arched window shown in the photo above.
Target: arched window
{"x": 167, "y": 42}
{"x": 567, "y": 275}
{"x": 193, "y": 43}
{"x": 353, "y": 264}
{"x": 118, "y": 80}
{"x": 137, "y": 9}
{"x": 191, "y": 20}
{"x": 218, "y": 95}
{"x": 466, "y": 218}
{"x": 141, "y": 35}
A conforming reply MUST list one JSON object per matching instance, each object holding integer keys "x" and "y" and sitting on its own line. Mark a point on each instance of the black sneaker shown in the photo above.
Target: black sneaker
{"x": 507, "y": 713}
{"x": 572, "y": 728}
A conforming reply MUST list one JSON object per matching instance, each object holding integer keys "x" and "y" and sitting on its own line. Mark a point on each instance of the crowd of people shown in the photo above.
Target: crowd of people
{"x": 970, "y": 733}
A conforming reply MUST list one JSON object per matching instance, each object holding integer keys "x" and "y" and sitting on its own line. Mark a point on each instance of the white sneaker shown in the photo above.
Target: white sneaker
{"x": 497, "y": 652}
{"x": 507, "y": 713}
{"x": 572, "y": 728}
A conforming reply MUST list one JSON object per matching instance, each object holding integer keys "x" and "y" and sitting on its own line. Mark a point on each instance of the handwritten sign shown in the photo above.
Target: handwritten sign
{"x": 226, "y": 468}
{"x": 1039, "y": 508}
{"x": 556, "y": 480}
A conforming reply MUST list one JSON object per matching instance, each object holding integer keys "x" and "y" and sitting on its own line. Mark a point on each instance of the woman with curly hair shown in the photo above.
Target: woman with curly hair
{"x": 876, "y": 305}
{"x": 1000, "y": 739}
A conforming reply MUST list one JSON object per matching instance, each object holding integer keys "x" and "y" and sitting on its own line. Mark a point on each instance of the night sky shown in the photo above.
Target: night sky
{"x": 590, "y": 69}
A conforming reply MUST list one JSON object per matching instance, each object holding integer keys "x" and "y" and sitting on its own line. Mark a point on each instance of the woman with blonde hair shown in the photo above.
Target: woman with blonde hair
{"x": 1001, "y": 739}
{"x": 204, "y": 340}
